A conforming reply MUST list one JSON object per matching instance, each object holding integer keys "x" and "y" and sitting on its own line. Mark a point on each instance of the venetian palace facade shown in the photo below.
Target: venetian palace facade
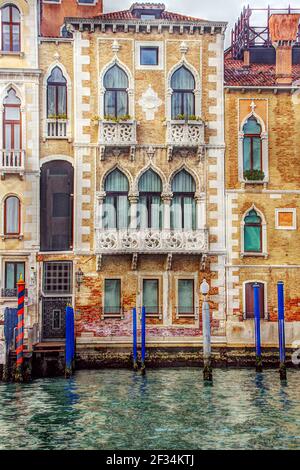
{"x": 114, "y": 188}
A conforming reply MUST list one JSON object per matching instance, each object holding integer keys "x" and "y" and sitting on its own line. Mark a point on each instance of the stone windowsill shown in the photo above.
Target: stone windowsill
{"x": 12, "y": 53}
{"x": 254, "y": 255}
{"x": 12, "y": 237}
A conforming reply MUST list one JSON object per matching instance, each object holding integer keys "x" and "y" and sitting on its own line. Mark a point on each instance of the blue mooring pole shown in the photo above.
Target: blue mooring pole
{"x": 70, "y": 341}
{"x": 257, "y": 328}
{"x": 281, "y": 330}
{"x": 134, "y": 339}
{"x": 143, "y": 319}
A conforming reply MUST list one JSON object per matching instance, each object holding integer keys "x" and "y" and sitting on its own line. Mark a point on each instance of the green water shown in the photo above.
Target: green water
{"x": 167, "y": 409}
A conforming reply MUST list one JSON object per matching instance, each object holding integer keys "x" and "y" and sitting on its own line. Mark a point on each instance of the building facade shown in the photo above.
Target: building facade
{"x": 19, "y": 154}
{"x": 147, "y": 152}
{"x": 262, "y": 79}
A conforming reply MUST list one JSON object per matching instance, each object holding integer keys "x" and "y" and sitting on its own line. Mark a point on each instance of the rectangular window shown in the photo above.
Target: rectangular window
{"x": 147, "y": 17}
{"x": 151, "y": 296}
{"x": 112, "y": 297}
{"x": 149, "y": 56}
{"x": 13, "y": 271}
{"x": 249, "y": 313}
{"x": 186, "y": 297}
{"x": 57, "y": 277}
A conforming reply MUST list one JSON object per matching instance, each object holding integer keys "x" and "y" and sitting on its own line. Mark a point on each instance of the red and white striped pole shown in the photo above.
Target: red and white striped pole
{"x": 20, "y": 330}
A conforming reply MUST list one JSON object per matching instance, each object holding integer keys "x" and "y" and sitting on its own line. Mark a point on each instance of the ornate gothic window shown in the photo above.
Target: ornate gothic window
{"x": 11, "y": 29}
{"x": 116, "y": 94}
{"x": 253, "y": 233}
{"x": 12, "y": 121}
{"x": 183, "y": 96}
{"x": 183, "y": 209}
{"x": 116, "y": 201}
{"x": 150, "y": 207}
{"x": 56, "y": 95}
{"x": 252, "y": 145}
{"x": 12, "y": 216}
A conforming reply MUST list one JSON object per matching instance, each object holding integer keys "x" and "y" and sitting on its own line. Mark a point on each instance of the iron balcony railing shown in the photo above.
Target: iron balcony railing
{"x": 11, "y": 293}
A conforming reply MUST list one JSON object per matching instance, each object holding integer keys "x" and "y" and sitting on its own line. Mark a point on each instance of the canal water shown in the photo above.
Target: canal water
{"x": 168, "y": 409}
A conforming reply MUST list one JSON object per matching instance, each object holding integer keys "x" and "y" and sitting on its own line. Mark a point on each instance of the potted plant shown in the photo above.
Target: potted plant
{"x": 254, "y": 175}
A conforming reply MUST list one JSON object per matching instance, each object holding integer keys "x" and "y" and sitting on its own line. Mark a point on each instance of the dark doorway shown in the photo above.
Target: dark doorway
{"x": 54, "y": 317}
{"x": 250, "y": 300}
{"x": 56, "y": 196}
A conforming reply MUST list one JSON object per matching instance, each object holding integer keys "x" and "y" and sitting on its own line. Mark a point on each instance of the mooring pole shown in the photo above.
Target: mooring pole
{"x": 20, "y": 331}
{"x": 207, "y": 371}
{"x": 143, "y": 367}
{"x": 281, "y": 330}
{"x": 258, "y": 360}
{"x": 134, "y": 339}
{"x": 70, "y": 347}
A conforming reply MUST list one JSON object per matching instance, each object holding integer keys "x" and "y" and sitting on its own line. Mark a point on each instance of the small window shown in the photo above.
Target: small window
{"x": 13, "y": 271}
{"x": 112, "y": 297}
{"x": 12, "y": 210}
{"x": 186, "y": 297}
{"x": 149, "y": 55}
{"x": 151, "y": 296}
{"x": 86, "y": 2}
{"x": 148, "y": 17}
{"x": 249, "y": 294}
{"x": 57, "y": 278}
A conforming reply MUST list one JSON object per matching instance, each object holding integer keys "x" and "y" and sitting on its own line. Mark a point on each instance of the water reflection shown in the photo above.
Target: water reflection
{"x": 166, "y": 409}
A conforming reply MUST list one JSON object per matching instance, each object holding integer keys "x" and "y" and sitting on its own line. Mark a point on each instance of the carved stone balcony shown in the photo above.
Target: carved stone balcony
{"x": 12, "y": 161}
{"x": 117, "y": 134}
{"x": 151, "y": 241}
{"x": 57, "y": 128}
{"x": 185, "y": 135}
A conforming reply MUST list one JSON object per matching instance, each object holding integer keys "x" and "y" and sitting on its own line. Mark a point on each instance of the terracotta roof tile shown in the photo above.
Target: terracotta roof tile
{"x": 236, "y": 74}
{"x": 127, "y": 15}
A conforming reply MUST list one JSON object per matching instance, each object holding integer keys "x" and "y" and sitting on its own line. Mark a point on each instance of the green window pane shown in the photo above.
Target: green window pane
{"x": 150, "y": 295}
{"x": 252, "y": 239}
{"x": 186, "y": 296}
{"x": 247, "y": 153}
{"x": 112, "y": 296}
{"x": 256, "y": 153}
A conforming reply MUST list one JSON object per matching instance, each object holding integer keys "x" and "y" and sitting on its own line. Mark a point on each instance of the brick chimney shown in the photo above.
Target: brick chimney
{"x": 283, "y": 32}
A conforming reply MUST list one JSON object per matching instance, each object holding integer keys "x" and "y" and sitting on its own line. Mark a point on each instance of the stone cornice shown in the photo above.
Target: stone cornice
{"x": 11, "y": 72}
{"x": 202, "y": 26}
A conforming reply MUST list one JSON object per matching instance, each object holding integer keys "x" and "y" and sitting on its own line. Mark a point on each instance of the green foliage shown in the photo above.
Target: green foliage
{"x": 254, "y": 175}
{"x": 184, "y": 117}
{"x": 124, "y": 118}
{"x": 57, "y": 116}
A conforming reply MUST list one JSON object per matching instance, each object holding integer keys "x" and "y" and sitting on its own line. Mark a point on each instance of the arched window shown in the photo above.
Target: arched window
{"x": 183, "y": 97}
{"x": 252, "y": 232}
{"x": 116, "y": 201}
{"x": 12, "y": 209}
{"x": 150, "y": 213}
{"x": 11, "y": 29}
{"x": 57, "y": 95}
{"x": 183, "y": 210}
{"x": 252, "y": 145}
{"x": 116, "y": 96}
{"x": 12, "y": 121}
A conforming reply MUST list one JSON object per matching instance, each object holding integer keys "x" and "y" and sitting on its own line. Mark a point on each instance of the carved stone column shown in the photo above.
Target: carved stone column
{"x": 167, "y": 199}
{"x": 200, "y": 211}
{"x": 100, "y": 196}
{"x": 134, "y": 200}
